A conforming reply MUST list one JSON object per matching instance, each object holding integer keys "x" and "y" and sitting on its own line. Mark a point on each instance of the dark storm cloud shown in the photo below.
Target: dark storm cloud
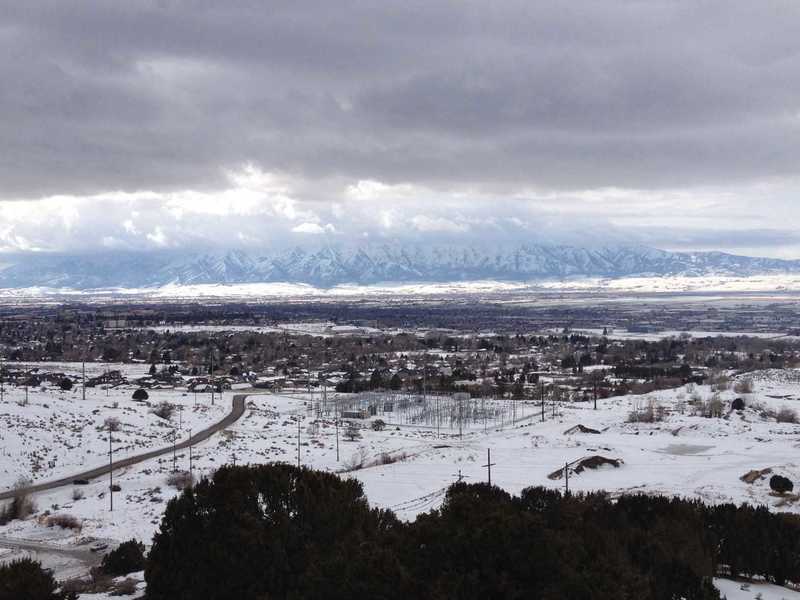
{"x": 100, "y": 96}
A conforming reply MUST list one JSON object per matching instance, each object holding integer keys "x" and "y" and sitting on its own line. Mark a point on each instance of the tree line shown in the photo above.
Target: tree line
{"x": 278, "y": 531}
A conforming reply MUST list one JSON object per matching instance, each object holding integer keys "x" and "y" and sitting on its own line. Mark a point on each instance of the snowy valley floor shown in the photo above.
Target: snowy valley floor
{"x": 57, "y": 433}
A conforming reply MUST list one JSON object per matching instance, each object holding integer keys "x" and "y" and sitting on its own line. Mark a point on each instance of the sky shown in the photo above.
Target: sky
{"x": 148, "y": 125}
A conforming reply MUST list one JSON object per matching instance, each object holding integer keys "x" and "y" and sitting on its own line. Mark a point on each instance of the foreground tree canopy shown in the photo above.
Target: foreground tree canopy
{"x": 25, "y": 579}
{"x": 282, "y": 532}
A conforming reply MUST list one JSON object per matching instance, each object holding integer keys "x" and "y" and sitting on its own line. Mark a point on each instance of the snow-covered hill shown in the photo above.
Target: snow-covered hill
{"x": 331, "y": 265}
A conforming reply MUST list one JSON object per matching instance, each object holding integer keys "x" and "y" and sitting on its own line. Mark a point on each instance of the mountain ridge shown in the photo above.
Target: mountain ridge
{"x": 331, "y": 265}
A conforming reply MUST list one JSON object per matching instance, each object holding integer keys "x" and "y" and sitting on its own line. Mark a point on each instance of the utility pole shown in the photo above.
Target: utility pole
{"x": 336, "y": 414}
{"x": 594, "y": 380}
{"x": 298, "y": 441}
{"x": 425, "y": 378}
{"x": 180, "y": 417}
{"x": 110, "y": 473}
{"x": 460, "y": 418}
{"x": 459, "y": 477}
{"x": 211, "y": 373}
{"x": 541, "y": 395}
{"x": 174, "y": 452}
{"x": 191, "y": 466}
{"x": 566, "y": 477}
{"x": 489, "y": 464}
{"x": 83, "y": 378}
{"x": 308, "y": 377}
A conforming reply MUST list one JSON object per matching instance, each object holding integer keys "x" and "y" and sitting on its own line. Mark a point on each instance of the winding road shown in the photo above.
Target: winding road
{"x": 237, "y": 410}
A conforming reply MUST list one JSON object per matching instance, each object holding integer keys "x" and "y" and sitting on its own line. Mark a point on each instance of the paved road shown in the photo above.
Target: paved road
{"x": 66, "y": 561}
{"x": 237, "y": 410}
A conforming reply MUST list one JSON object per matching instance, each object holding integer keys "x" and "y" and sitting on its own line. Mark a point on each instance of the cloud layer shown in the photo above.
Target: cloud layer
{"x": 440, "y": 119}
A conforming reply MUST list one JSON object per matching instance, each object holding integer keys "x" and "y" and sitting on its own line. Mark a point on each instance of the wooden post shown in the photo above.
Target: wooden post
{"x": 541, "y": 395}
{"x": 211, "y": 376}
{"x": 110, "y": 473}
{"x": 489, "y": 464}
{"x": 191, "y": 466}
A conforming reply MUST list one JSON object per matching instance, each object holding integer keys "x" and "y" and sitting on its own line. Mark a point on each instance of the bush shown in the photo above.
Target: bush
{"x": 780, "y": 484}
{"x": 164, "y": 410}
{"x": 112, "y": 424}
{"x": 126, "y": 587}
{"x": 714, "y": 407}
{"x": 126, "y": 558}
{"x": 65, "y": 384}
{"x": 652, "y": 412}
{"x": 141, "y": 395}
{"x": 737, "y": 404}
{"x": 744, "y": 386}
{"x": 180, "y": 480}
{"x": 20, "y": 507}
{"x": 64, "y": 521}
{"x": 378, "y": 425}
{"x": 786, "y": 415}
{"x": 25, "y": 579}
{"x": 352, "y": 432}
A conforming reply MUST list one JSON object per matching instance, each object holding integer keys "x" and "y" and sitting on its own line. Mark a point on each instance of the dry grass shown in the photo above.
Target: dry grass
{"x": 64, "y": 521}
{"x": 180, "y": 480}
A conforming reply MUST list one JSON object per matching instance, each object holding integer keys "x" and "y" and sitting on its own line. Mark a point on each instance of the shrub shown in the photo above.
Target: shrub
{"x": 64, "y": 521}
{"x": 126, "y": 587}
{"x": 141, "y": 395}
{"x": 65, "y": 384}
{"x": 780, "y": 484}
{"x": 112, "y": 424}
{"x": 744, "y": 386}
{"x": 25, "y": 579}
{"x": 378, "y": 425}
{"x": 737, "y": 404}
{"x": 712, "y": 408}
{"x": 126, "y": 558}
{"x": 786, "y": 415}
{"x": 20, "y": 506}
{"x": 97, "y": 583}
{"x": 352, "y": 433}
{"x": 180, "y": 479}
{"x": 652, "y": 412}
{"x": 164, "y": 410}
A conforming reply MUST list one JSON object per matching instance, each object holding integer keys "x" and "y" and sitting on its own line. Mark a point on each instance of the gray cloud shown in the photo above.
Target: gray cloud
{"x": 163, "y": 94}
{"x": 538, "y": 107}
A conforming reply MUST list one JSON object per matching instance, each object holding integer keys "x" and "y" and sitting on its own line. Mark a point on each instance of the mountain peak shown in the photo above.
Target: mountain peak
{"x": 331, "y": 265}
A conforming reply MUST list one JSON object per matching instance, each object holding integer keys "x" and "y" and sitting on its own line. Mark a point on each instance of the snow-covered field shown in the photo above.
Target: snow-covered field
{"x": 315, "y": 328}
{"x": 58, "y": 433}
{"x": 738, "y": 590}
{"x": 715, "y": 284}
{"x": 685, "y": 454}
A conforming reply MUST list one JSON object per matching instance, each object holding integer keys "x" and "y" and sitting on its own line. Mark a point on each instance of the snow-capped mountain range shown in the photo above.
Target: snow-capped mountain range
{"x": 331, "y": 265}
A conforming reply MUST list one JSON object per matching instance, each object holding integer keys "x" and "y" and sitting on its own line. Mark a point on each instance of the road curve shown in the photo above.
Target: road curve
{"x": 237, "y": 410}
